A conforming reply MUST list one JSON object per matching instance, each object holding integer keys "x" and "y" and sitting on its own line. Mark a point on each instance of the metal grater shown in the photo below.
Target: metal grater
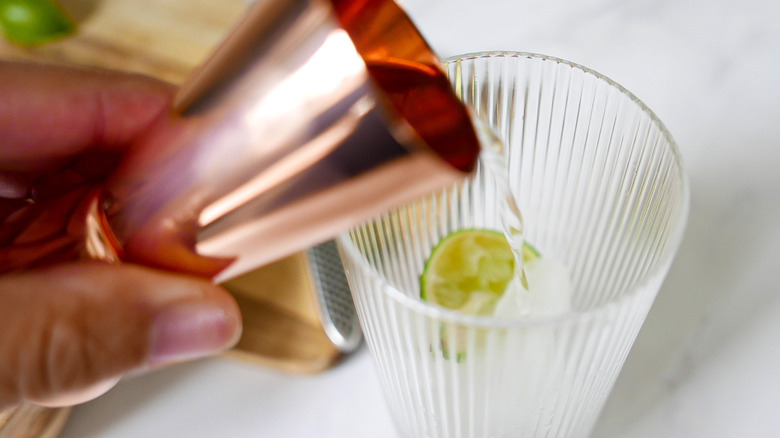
{"x": 334, "y": 299}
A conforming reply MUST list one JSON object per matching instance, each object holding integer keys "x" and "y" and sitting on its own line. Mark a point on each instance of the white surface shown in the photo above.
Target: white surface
{"x": 706, "y": 364}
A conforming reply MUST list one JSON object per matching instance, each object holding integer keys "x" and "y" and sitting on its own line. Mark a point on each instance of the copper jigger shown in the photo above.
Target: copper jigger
{"x": 312, "y": 116}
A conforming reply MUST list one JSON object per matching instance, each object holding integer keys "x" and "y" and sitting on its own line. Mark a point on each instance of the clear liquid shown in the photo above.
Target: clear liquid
{"x": 541, "y": 288}
{"x": 493, "y": 172}
{"x": 485, "y": 381}
{"x": 493, "y": 164}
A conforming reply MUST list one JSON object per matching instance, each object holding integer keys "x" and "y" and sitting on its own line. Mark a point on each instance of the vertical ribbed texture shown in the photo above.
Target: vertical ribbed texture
{"x": 600, "y": 187}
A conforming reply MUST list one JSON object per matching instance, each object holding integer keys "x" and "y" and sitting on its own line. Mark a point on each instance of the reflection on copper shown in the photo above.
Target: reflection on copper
{"x": 311, "y": 116}
{"x": 406, "y": 69}
{"x": 314, "y": 220}
{"x": 294, "y": 163}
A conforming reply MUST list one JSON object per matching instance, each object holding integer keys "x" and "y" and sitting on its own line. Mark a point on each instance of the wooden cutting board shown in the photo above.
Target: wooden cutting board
{"x": 167, "y": 39}
{"x": 32, "y": 421}
{"x": 161, "y": 38}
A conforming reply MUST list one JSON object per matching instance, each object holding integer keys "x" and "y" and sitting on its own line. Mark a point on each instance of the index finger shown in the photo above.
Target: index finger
{"x": 48, "y": 112}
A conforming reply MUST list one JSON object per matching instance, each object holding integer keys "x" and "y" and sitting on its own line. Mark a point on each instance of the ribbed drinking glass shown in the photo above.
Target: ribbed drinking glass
{"x": 599, "y": 182}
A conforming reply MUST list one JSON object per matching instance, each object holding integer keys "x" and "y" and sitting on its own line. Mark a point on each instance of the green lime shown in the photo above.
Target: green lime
{"x": 469, "y": 270}
{"x": 32, "y": 22}
{"x": 530, "y": 253}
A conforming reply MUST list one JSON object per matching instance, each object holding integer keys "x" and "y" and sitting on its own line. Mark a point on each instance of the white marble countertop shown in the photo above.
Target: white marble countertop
{"x": 706, "y": 363}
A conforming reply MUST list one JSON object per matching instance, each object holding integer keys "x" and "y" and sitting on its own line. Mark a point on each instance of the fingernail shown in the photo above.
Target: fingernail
{"x": 190, "y": 331}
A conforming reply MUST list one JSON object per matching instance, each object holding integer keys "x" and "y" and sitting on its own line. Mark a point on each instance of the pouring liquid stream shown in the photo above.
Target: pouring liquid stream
{"x": 493, "y": 163}
{"x": 541, "y": 285}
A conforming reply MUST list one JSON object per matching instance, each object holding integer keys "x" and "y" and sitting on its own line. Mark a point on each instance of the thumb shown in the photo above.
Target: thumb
{"x": 71, "y": 331}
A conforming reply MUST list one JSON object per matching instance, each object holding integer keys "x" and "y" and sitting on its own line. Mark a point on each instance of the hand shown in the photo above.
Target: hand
{"x": 70, "y": 331}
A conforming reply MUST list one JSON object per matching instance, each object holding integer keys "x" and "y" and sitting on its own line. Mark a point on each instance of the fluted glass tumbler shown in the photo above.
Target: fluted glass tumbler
{"x": 599, "y": 182}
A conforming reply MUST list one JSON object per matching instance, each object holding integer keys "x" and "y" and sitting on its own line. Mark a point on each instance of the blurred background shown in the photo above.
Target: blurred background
{"x": 704, "y": 365}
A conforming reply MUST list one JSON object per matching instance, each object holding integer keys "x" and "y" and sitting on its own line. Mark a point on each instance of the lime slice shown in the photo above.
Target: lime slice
{"x": 32, "y": 22}
{"x": 469, "y": 270}
{"x": 530, "y": 253}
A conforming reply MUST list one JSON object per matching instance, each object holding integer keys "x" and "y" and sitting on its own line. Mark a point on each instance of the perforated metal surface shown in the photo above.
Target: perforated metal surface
{"x": 337, "y": 311}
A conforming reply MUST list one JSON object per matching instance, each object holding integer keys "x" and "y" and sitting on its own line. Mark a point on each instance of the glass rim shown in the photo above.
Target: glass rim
{"x": 659, "y": 268}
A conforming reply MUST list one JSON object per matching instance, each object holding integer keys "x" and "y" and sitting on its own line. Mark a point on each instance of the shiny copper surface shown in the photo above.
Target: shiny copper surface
{"x": 408, "y": 72}
{"x": 312, "y": 116}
